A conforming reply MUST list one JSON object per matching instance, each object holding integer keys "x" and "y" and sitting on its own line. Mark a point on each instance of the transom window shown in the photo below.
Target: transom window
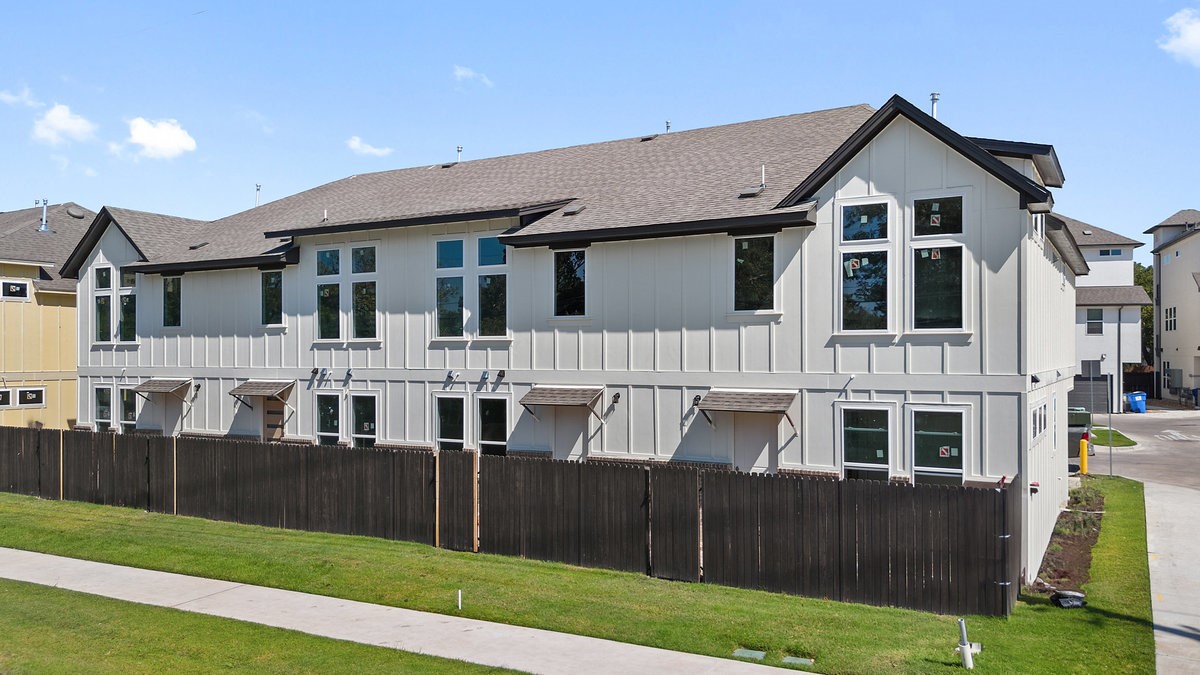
{"x": 754, "y": 273}
{"x": 938, "y": 216}
{"x": 471, "y": 288}
{"x": 14, "y": 290}
{"x": 864, "y": 222}
{"x": 866, "y": 437}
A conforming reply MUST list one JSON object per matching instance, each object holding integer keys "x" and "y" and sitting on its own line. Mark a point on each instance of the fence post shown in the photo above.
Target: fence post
{"x": 61, "y": 442}
{"x": 437, "y": 498}
{"x": 174, "y": 476}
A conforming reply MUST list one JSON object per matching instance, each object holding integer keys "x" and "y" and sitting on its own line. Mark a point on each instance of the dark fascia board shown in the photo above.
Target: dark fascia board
{"x": 1043, "y": 155}
{"x": 1060, "y": 236}
{"x": 288, "y": 257}
{"x": 70, "y": 268}
{"x": 773, "y": 221}
{"x": 1031, "y": 193}
{"x": 422, "y": 220}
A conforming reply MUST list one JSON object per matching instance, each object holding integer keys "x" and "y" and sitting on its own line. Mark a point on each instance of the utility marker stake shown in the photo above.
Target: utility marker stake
{"x": 964, "y": 647}
{"x": 460, "y": 599}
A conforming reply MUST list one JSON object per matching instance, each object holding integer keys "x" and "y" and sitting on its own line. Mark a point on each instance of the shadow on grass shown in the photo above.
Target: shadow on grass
{"x": 1094, "y": 614}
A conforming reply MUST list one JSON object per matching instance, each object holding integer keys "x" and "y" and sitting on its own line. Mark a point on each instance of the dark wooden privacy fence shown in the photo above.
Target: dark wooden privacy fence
{"x": 934, "y": 548}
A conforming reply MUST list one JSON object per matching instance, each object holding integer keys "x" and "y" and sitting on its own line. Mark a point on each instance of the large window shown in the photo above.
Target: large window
{"x": 329, "y": 418}
{"x": 127, "y": 326}
{"x": 478, "y": 281}
{"x": 450, "y": 422}
{"x": 570, "y": 279}
{"x": 272, "y": 297}
{"x": 103, "y": 417}
{"x": 754, "y": 273}
{"x": 349, "y": 291}
{"x": 362, "y": 411}
{"x": 866, "y": 439}
{"x": 864, "y": 267}
{"x": 1095, "y": 321}
{"x": 493, "y": 426}
{"x": 938, "y": 447}
{"x": 172, "y": 301}
{"x": 103, "y": 318}
{"x": 938, "y": 287}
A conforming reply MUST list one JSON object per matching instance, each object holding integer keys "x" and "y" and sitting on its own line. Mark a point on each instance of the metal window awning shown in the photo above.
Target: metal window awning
{"x": 265, "y": 388}
{"x": 584, "y": 397}
{"x": 747, "y": 401}
{"x": 162, "y": 386}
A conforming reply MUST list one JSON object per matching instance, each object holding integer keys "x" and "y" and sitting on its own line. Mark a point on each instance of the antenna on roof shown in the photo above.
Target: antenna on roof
{"x": 933, "y": 99}
{"x": 257, "y": 190}
{"x": 43, "y": 226}
{"x": 459, "y": 154}
{"x": 764, "y": 176}
{"x": 668, "y": 126}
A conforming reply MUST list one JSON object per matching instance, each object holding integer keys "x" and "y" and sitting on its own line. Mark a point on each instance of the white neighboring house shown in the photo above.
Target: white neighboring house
{"x": 1108, "y": 315}
{"x": 852, "y": 292}
{"x": 1177, "y": 302}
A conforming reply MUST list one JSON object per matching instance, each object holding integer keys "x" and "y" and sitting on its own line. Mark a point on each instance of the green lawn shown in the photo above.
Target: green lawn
{"x": 51, "y": 630}
{"x": 1100, "y": 439}
{"x": 1113, "y": 634}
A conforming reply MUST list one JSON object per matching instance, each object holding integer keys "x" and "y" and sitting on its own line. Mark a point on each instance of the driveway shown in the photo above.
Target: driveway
{"x": 1167, "y": 460}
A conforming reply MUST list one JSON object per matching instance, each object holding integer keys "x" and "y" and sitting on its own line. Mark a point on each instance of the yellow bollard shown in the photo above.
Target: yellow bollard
{"x": 1083, "y": 452}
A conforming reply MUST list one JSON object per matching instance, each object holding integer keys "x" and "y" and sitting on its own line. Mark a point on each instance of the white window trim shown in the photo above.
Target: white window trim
{"x": 486, "y": 271}
{"x": 451, "y": 273}
{"x": 731, "y": 249}
{"x": 137, "y": 335}
{"x": 839, "y": 440}
{"x": 1038, "y": 408}
{"x": 966, "y": 410}
{"x": 162, "y": 304}
{"x": 917, "y": 242}
{"x": 283, "y": 305}
{"x": 1087, "y": 322}
{"x": 341, "y": 413}
{"x": 117, "y": 403}
{"x": 112, "y": 401}
{"x": 27, "y": 283}
{"x": 434, "y": 422}
{"x": 365, "y": 393}
{"x": 895, "y": 221}
{"x": 588, "y": 301}
{"x": 17, "y": 395}
{"x": 345, "y": 280}
{"x": 97, "y": 292}
{"x": 508, "y": 419}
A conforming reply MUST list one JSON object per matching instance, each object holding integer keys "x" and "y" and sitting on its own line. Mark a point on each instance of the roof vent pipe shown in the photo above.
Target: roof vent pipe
{"x": 668, "y": 126}
{"x": 459, "y": 155}
{"x": 933, "y": 99}
{"x": 44, "y": 226}
{"x": 764, "y": 176}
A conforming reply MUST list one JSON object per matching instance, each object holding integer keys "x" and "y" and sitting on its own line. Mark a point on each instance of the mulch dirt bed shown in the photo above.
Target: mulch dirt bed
{"x": 1069, "y": 555}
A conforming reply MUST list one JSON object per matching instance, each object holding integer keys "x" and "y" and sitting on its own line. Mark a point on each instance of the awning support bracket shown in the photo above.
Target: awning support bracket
{"x": 788, "y": 417}
{"x": 242, "y": 401}
{"x": 531, "y": 413}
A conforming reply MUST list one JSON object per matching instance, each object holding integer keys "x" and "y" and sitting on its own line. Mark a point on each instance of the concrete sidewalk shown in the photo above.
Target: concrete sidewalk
{"x": 1173, "y": 550}
{"x": 490, "y": 644}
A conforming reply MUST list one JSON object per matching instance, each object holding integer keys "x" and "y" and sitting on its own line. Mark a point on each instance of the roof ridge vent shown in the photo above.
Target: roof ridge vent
{"x": 651, "y": 137}
{"x": 574, "y": 209}
{"x": 447, "y": 165}
{"x": 1088, "y": 232}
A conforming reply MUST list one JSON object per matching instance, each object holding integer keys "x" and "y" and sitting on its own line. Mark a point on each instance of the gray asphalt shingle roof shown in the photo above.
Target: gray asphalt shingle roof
{"x": 20, "y": 240}
{"x": 1090, "y": 235}
{"x": 1111, "y": 295}
{"x": 1182, "y": 217}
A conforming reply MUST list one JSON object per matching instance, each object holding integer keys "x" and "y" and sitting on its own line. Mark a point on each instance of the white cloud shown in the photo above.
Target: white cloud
{"x": 23, "y": 97}
{"x": 1183, "y": 39}
{"x": 59, "y": 124}
{"x": 162, "y": 139}
{"x": 463, "y": 73}
{"x": 89, "y": 172}
{"x": 360, "y": 147}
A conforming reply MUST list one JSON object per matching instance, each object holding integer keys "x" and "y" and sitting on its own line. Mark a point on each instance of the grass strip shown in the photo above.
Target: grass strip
{"x": 1112, "y": 632}
{"x": 50, "y": 630}
{"x": 1100, "y": 438}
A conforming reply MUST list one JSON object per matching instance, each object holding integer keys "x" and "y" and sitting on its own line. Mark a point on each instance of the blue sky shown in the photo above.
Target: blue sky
{"x": 183, "y": 108}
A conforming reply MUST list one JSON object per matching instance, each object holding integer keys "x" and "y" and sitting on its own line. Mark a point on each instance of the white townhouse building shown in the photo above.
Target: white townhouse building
{"x": 1108, "y": 314}
{"x": 852, "y": 292}
{"x": 1177, "y": 302}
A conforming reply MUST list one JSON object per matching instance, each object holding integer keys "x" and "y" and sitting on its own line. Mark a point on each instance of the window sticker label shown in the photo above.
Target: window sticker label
{"x": 936, "y": 254}
{"x": 936, "y": 219}
{"x": 851, "y": 265}
{"x": 879, "y": 453}
{"x": 862, "y": 219}
{"x": 944, "y": 451}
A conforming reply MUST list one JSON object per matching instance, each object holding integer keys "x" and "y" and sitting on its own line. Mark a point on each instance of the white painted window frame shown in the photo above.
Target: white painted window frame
{"x": 588, "y": 301}
{"x": 316, "y": 406}
{"x": 460, "y": 272}
{"x": 96, "y": 419}
{"x": 888, "y": 245}
{"x": 118, "y": 403}
{"x": 915, "y": 243}
{"x": 481, "y": 270}
{"x": 966, "y": 412}
{"x": 731, "y": 252}
{"x": 478, "y": 418}
{"x": 17, "y": 397}
{"x": 839, "y": 423}
{"x": 27, "y": 283}
{"x": 363, "y": 393}
{"x": 283, "y": 305}
{"x": 435, "y": 421}
{"x": 110, "y": 293}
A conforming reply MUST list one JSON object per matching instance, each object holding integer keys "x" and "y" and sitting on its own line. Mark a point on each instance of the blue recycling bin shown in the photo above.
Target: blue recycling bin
{"x": 1137, "y": 401}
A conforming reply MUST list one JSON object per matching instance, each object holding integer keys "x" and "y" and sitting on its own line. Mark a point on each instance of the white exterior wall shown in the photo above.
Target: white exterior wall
{"x": 1108, "y": 270}
{"x": 1119, "y": 344}
{"x": 660, "y": 331}
{"x": 1177, "y": 288}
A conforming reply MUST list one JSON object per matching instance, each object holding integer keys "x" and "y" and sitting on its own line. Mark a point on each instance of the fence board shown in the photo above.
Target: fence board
{"x": 160, "y": 467}
{"x": 456, "y": 499}
{"x": 414, "y": 500}
{"x": 20, "y": 461}
{"x": 614, "y": 503}
{"x": 49, "y": 460}
{"x": 675, "y": 523}
{"x": 207, "y": 478}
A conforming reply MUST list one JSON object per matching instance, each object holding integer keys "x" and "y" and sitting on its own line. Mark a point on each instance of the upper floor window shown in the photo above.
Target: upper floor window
{"x": 450, "y": 317}
{"x": 471, "y": 288}
{"x": 493, "y": 287}
{"x": 1169, "y": 319}
{"x": 342, "y": 291}
{"x": 864, "y": 256}
{"x": 1110, "y": 251}
{"x": 272, "y": 297}
{"x": 103, "y": 278}
{"x": 102, "y": 304}
{"x": 172, "y": 301}
{"x": 864, "y": 222}
{"x": 14, "y": 290}
{"x": 754, "y": 273}
{"x": 938, "y": 216}
{"x": 570, "y": 283}
{"x": 938, "y": 287}
{"x": 127, "y": 307}
{"x": 1095, "y": 321}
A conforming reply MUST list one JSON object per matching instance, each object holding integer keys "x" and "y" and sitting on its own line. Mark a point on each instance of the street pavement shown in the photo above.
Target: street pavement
{"x": 1167, "y": 460}
{"x": 482, "y": 642}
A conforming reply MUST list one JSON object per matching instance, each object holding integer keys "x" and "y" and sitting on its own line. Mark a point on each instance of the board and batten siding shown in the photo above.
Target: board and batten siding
{"x": 660, "y": 329}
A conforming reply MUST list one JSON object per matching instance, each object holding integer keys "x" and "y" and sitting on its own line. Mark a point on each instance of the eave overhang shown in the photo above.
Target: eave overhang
{"x": 1042, "y": 155}
{"x": 1033, "y": 196}
{"x": 291, "y": 256}
{"x": 103, "y": 219}
{"x": 458, "y": 216}
{"x": 1060, "y": 236}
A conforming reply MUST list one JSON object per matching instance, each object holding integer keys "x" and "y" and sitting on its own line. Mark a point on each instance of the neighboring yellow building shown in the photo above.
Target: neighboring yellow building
{"x": 37, "y": 315}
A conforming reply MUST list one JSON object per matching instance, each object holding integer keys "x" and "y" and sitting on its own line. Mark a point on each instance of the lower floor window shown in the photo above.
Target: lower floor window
{"x": 103, "y": 408}
{"x": 128, "y": 411}
{"x": 329, "y": 418}
{"x": 493, "y": 426}
{"x": 450, "y": 428}
{"x": 865, "y": 440}
{"x": 938, "y": 447}
{"x": 363, "y": 414}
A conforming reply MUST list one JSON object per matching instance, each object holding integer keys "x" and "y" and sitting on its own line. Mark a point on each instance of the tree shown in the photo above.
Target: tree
{"x": 1143, "y": 275}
